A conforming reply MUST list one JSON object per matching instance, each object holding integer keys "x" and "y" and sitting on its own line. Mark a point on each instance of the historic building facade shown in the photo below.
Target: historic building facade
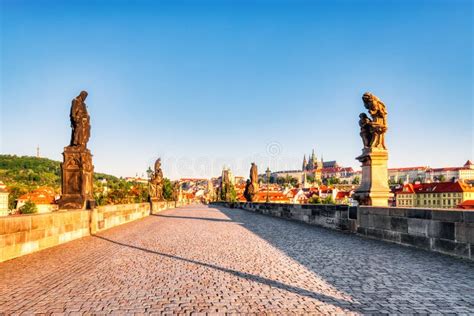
{"x": 434, "y": 195}
{"x": 427, "y": 174}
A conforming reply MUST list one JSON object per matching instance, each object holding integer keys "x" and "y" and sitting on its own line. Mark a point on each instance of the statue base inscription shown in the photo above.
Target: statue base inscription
{"x": 77, "y": 179}
{"x": 374, "y": 188}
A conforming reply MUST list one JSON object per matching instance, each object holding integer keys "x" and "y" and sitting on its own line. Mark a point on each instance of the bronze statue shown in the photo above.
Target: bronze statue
{"x": 156, "y": 182}
{"x": 373, "y": 130}
{"x": 251, "y": 187}
{"x": 80, "y": 121}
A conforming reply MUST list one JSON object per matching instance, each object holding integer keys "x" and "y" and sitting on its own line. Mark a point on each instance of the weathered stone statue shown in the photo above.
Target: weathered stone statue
{"x": 365, "y": 129}
{"x": 156, "y": 183}
{"x": 77, "y": 169}
{"x": 176, "y": 191}
{"x": 375, "y": 128}
{"x": 251, "y": 187}
{"x": 80, "y": 121}
{"x": 374, "y": 188}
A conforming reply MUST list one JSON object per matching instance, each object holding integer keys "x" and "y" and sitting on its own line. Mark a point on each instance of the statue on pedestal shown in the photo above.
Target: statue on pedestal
{"x": 77, "y": 169}
{"x": 374, "y": 188}
{"x": 156, "y": 182}
{"x": 373, "y": 130}
{"x": 251, "y": 187}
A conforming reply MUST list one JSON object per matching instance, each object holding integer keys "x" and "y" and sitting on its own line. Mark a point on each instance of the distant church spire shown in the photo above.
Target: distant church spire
{"x": 305, "y": 163}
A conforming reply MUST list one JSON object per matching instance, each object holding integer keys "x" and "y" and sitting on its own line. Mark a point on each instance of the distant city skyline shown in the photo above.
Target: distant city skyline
{"x": 207, "y": 84}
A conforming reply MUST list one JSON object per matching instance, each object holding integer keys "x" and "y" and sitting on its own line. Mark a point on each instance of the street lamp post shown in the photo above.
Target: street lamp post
{"x": 268, "y": 172}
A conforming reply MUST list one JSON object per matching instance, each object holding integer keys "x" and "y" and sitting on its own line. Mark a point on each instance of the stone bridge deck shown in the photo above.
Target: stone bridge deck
{"x": 208, "y": 260}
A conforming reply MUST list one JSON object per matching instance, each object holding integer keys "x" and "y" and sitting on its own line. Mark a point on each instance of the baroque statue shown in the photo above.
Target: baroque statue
{"x": 80, "y": 121}
{"x": 373, "y": 189}
{"x": 156, "y": 182}
{"x": 251, "y": 187}
{"x": 77, "y": 169}
{"x": 372, "y": 130}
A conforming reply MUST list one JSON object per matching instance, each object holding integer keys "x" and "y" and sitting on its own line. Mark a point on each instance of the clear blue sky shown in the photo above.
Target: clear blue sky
{"x": 208, "y": 83}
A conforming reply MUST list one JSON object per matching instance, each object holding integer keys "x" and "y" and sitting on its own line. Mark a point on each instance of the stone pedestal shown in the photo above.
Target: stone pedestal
{"x": 156, "y": 205}
{"x": 77, "y": 179}
{"x": 374, "y": 188}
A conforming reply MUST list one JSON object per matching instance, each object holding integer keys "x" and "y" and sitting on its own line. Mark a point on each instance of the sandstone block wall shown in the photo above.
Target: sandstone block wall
{"x": 109, "y": 216}
{"x": 163, "y": 205}
{"x": 24, "y": 234}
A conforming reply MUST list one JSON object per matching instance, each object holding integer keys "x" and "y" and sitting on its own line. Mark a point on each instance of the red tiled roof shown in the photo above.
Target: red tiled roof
{"x": 442, "y": 187}
{"x": 446, "y": 169}
{"x": 272, "y": 196}
{"x": 468, "y": 204}
{"x": 3, "y": 188}
{"x": 43, "y": 195}
{"x": 342, "y": 194}
{"x": 408, "y": 169}
{"x": 337, "y": 169}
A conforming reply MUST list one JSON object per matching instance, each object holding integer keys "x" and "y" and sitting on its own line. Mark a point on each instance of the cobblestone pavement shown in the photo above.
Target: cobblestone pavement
{"x": 209, "y": 260}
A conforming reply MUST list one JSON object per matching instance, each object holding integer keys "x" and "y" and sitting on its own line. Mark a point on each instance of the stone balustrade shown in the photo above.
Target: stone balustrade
{"x": 446, "y": 231}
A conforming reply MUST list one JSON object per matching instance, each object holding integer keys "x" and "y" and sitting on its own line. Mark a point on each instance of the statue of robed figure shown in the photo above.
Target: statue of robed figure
{"x": 251, "y": 187}
{"x": 77, "y": 169}
{"x": 80, "y": 121}
{"x": 156, "y": 182}
{"x": 372, "y": 131}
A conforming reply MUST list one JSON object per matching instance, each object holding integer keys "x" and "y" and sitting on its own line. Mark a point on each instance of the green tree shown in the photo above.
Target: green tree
{"x": 15, "y": 191}
{"x": 356, "y": 180}
{"x": 28, "y": 208}
{"x": 332, "y": 180}
{"x": 314, "y": 199}
{"x": 227, "y": 193}
{"x": 167, "y": 189}
{"x": 328, "y": 200}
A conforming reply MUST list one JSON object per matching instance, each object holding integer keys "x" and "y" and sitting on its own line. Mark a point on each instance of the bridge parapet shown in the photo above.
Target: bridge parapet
{"x": 326, "y": 215}
{"x": 445, "y": 231}
{"x": 24, "y": 234}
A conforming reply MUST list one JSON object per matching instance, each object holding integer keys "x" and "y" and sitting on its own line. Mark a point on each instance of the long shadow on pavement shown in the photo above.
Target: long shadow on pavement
{"x": 321, "y": 297}
{"x": 379, "y": 276}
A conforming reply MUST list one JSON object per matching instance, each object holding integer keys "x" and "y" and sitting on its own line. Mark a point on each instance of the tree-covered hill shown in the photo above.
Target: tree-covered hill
{"x": 24, "y": 174}
{"x": 34, "y": 172}
{"x": 30, "y": 172}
